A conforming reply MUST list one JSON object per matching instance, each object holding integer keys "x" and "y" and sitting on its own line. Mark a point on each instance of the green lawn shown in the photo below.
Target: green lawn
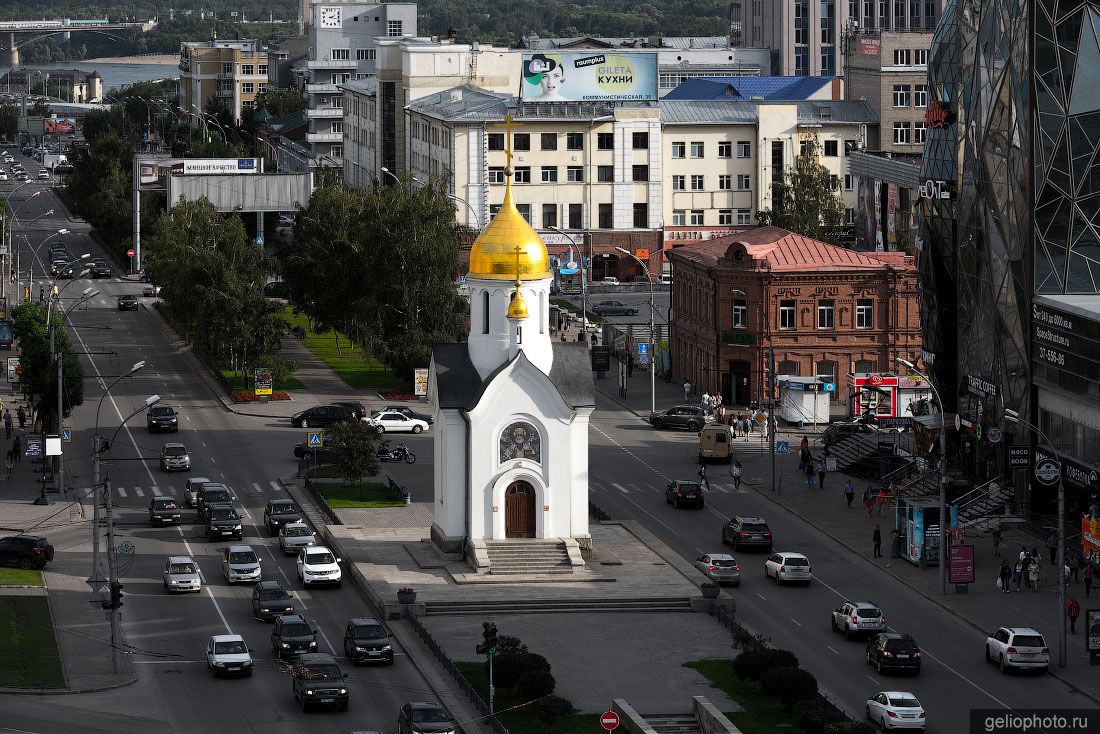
{"x": 360, "y": 494}
{"x": 20, "y": 577}
{"x": 247, "y": 381}
{"x": 27, "y": 644}
{"x": 760, "y": 713}
{"x": 358, "y": 369}
{"x": 519, "y": 721}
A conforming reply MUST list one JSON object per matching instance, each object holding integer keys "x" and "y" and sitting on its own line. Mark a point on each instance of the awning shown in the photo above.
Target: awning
{"x": 934, "y": 422}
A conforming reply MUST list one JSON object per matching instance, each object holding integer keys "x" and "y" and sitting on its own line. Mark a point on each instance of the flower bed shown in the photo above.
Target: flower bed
{"x": 398, "y": 395}
{"x": 246, "y": 396}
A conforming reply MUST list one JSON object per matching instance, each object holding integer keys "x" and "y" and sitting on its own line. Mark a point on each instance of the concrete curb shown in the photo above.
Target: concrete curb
{"x": 67, "y": 691}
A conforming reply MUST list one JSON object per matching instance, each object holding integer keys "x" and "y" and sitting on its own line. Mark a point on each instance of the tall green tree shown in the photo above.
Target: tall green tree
{"x": 807, "y": 202}
{"x": 38, "y": 371}
{"x": 354, "y": 442}
{"x": 9, "y": 121}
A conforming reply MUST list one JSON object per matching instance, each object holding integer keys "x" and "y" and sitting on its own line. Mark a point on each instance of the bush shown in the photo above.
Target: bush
{"x": 812, "y": 718}
{"x": 509, "y": 645}
{"x": 849, "y": 727}
{"x": 507, "y": 669}
{"x": 750, "y": 665}
{"x": 536, "y": 684}
{"x": 550, "y": 709}
{"x": 789, "y": 685}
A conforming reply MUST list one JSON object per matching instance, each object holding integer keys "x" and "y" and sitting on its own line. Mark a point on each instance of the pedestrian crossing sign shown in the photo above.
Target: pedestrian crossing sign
{"x": 782, "y": 447}
{"x": 315, "y": 439}
{"x": 67, "y": 434}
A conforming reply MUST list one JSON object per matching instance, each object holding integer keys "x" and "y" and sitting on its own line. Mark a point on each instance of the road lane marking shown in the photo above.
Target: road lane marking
{"x": 275, "y": 486}
{"x": 655, "y": 518}
{"x": 637, "y": 458}
{"x": 761, "y": 596}
{"x": 620, "y": 487}
{"x": 205, "y": 585}
{"x": 830, "y": 649}
{"x": 121, "y": 492}
{"x": 796, "y": 621}
{"x": 877, "y": 684}
{"x": 256, "y": 486}
{"x": 139, "y": 492}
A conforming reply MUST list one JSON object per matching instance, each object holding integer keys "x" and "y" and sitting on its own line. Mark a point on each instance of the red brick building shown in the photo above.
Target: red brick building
{"x": 825, "y": 310}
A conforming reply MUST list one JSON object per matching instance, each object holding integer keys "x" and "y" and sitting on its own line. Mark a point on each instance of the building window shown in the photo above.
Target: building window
{"x": 920, "y": 57}
{"x": 496, "y": 141}
{"x": 548, "y": 141}
{"x": 679, "y": 150}
{"x": 920, "y": 95}
{"x": 640, "y": 173}
{"x": 725, "y": 149}
{"x": 805, "y": 147}
{"x": 262, "y": 70}
{"x": 725, "y": 216}
{"x": 786, "y": 315}
{"x": 849, "y": 216}
{"x": 496, "y": 175}
{"x": 834, "y": 183}
{"x": 725, "y": 182}
{"x": 336, "y": 127}
{"x": 827, "y": 369}
{"x": 865, "y": 313}
{"x": 848, "y": 183}
{"x": 641, "y": 215}
{"x": 227, "y": 67}
{"x": 787, "y": 367}
{"x": 574, "y": 174}
{"x": 744, "y": 181}
{"x": 576, "y": 216}
{"x": 901, "y": 95}
{"x": 679, "y": 218}
{"x": 743, "y": 216}
{"x": 606, "y": 214}
{"x": 920, "y": 133}
{"x": 549, "y": 174}
{"x": 679, "y": 183}
{"x": 697, "y": 183}
{"x": 697, "y": 149}
{"x": 826, "y": 313}
{"x": 696, "y": 219}
{"x": 744, "y": 149}
{"x": 247, "y": 70}
{"x": 901, "y": 133}
{"x": 902, "y": 57}
{"x": 393, "y": 28}
{"x": 549, "y": 215}
{"x": 521, "y": 141}
{"x": 523, "y": 174}
{"x": 261, "y": 87}
{"x": 485, "y": 312}
{"x": 524, "y": 211}
{"x": 605, "y": 141}
{"x": 832, "y": 148}
{"x": 865, "y": 366}
{"x": 639, "y": 141}
{"x": 338, "y": 54}
{"x": 364, "y": 54}
{"x": 740, "y": 313}
{"x": 605, "y": 174}
{"x": 574, "y": 141}
{"x": 248, "y": 104}
{"x": 248, "y": 88}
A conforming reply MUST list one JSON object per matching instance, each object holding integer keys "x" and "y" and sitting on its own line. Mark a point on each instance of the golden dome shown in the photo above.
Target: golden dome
{"x": 517, "y": 309}
{"x": 509, "y": 248}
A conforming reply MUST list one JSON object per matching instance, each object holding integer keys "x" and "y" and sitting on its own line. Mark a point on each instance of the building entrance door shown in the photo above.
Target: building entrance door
{"x": 519, "y": 510}
{"x": 739, "y": 374}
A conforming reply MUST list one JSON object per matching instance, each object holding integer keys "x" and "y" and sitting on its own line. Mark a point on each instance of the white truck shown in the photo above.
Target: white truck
{"x": 53, "y": 160}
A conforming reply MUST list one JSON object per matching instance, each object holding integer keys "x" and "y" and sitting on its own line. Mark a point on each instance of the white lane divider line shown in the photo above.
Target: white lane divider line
{"x": 205, "y": 585}
{"x": 619, "y": 487}
{"x": 155, "y": 491}
{"x": 121, "y": 492}
{"x": 256, "y": 486}
{"x": 637, "y": 458}
{"x": 830, "y": 649}
{"x": 764, "y": 598}
{"x": 796, "y": 621}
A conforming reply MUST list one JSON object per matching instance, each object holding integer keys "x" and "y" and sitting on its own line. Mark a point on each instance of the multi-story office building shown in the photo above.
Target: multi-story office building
{"x": 227, "y": 73}
{"x": 343, "y": 47}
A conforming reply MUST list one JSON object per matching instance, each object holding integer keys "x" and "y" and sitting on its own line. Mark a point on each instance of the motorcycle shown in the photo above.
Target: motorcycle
{"x": 398, "y": 453}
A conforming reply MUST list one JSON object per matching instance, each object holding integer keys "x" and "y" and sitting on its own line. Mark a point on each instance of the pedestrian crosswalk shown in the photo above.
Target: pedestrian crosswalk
{"x": 598, "y": 487}
{"x": 171, "y": 490}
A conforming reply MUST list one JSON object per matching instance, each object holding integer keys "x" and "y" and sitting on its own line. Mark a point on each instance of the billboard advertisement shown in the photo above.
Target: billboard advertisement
{"x": 589, "y": 77}
{"x": 151, "y": 172}
{"x": 55, "y": 125}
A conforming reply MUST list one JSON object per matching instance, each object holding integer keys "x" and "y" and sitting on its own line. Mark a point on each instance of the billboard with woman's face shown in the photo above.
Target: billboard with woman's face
{"x": 589, "y": 77}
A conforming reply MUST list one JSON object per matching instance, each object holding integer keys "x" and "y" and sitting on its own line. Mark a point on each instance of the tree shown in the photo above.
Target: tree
{"x": 9, "y": 121}
{"x": 40, "y": 109}
{"x": 548, "y": 710}
{"x": 277, "y": 102}
{"x": 38, "y": 372}
{"x": 806, "y": 202}
{"x": 789, "y": 685}
{"x": 536, "y": 684}
{"x": 354, "y": 448}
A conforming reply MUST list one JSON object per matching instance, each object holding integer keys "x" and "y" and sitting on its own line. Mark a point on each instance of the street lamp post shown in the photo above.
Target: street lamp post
{"x": 1014, "y": 417}
{"x": 943, "y": 472}
{"x": 30, "y": 270}
{"x": 477, "y": 218}
{"x": 652, "y": 329}
{"x": 584, "y": 279}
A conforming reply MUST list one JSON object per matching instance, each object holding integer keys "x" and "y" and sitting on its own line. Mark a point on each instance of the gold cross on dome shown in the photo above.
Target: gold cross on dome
{"x": 518, "y": 250}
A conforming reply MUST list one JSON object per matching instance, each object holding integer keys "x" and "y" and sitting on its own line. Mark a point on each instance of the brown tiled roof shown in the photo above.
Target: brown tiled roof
{"x": 782, "y": 250}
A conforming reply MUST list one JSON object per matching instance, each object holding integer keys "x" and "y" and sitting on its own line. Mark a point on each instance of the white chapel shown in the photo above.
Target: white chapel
{"x": 511, "y": 445}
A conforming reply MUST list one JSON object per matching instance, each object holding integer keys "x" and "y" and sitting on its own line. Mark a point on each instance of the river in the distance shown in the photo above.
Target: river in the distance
{"x": 115, "y": 76}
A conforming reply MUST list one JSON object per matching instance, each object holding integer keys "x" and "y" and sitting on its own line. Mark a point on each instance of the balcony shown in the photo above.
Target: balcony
{"x": 321, "y": 89}
{"x": 326, "y": 113}
{"x": 325, "y": 137}
{"x": 225, "y": 93}
{"x": 346, "y": 64}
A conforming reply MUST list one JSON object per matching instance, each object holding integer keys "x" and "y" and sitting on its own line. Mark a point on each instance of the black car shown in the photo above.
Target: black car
{"x": 747, "y": 532}
{"x": 679, "y": 493}
{"x": 99, "y": 269}
{"x": 405, "y": 410}
{"x": 894, "y": 651}
{"x": 212, "y": 493}
{"x": 279, "y": 513}
{"x": 614, "y": 308}
{"x": 162, "y": 418}
{"x": 318, "y": 455}
{"x": 358, "y": 410}
{"x": 691, "y": 417}
{"x": 292, "y": 635}
{"x": 318, "y": 681}
{"x": 275, "y": 289}
{"x": 128, "y": 302}
{"x": 222, "y": 521}
{"x": 164, "y": 511}
{"x": 25, "y": 551}
{"x": 270, "y": 600}
{"x": 424, "y": 718}
{"x": 366, "y": 641}
{"x": 320, "y": 416}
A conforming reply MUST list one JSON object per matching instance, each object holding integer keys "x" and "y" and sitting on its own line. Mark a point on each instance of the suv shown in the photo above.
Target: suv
{"x": 222, "y": 521}
{"x": 270, "y": 600}
{"x": 424, "y": 718}
{"x": 174, "y": 457}
{"x": 1017, "y": 647}
{"x": 680, "y": 492}
{"x": 318, "y": 565}
{"x": 857, "y": 617}
{"x": 240, "y": 563}
{"x": 161, "y": 418}
{"x": 318, "y": 680}
{"x": 358, "y": 410}
{"x": 279, "y": 513}
{"x": 210, "y": 493}
{"x": 747, "y": 532}
{"x": 893, "y": 651}
{"x": 292, "y": 635}
{"x": 164, "y": 511}
{"x": 25, "y": 551}
{"x": 691, "y": 417}
{"x": 366, "y": 641}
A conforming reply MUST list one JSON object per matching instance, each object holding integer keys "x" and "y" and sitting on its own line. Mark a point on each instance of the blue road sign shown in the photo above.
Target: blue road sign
{"x": 35, "y": 446}
{"x": 830, "y": 387}
{"x": 315, "y": 439}
{"x": 782, "y": 447}
{"x": 260, "y": 240}
{"x": 67, "y": 434}
{"x": 643, "y": 348}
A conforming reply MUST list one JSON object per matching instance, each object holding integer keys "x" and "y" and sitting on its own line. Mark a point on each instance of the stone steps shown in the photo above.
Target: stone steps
{"x": 527, "y": 557}
{"x": 537, "y": 606}
{"x": 680, "y": 724}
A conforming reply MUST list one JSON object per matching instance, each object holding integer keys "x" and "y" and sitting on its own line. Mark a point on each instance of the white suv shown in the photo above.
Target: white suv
{"x": 858, "y": 617}
{"x": 318, "y": 565}
{"x": 1017, "y": 647}
{"x": 787, "y": 566}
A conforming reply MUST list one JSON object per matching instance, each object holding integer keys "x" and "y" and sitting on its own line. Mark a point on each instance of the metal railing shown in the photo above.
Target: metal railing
{"x": 400, "y": 490}
{"x": 320, "y": 502}
{"x": 463, "y": 684}
{"x": 595, "y": 511}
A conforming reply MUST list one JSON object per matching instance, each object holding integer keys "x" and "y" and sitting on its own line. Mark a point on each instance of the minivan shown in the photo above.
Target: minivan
{"x": 715, "y": 443}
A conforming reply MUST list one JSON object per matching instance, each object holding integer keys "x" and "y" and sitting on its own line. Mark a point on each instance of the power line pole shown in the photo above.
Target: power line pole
{"x": 112, "y": 572}
{"x": 773, "y": 423}
{"x": 96, "y": 579}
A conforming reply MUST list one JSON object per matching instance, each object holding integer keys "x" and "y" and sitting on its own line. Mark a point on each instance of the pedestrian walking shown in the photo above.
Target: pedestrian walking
{"x": 41, "y": 294}
{"x": 1052, "y": 546}
{"x": 703, "y": 476}
{"x": 869, "y": 500}
{"x": 17, "y": 448}
{"x": 821, "y": 475}
{"x": 1018, "y": 574}
{"x": 849, "y": 493}
{"x": 997, "y": 540}
{"x": 1087, "y": 576}
{"x": 595, "y": 339}
{"x": 735, "y": 472}
{"x": 22, "y": 416}
{"x": 1074, "y": 562}
{"x": 881, "y": 499}
{"x": 1033, "y": 575}
{"x": 809, "y": 475}
{"x": 876, "y": 537}
{"x": 1073, "y": 611}
{"x": 1005, "y": 575}
{"x": 687, "y": 391}
{"x": 7, "y": 423}
{"x": 705, "y": 400}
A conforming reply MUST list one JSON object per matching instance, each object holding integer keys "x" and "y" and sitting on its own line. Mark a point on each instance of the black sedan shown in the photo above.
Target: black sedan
{"x": 128, "y": 302}
{"x": 269, "y": 600}
{"x": 25, "y": 551}
{"x": 100, "y": 269}
{"x": 320, "y": 416}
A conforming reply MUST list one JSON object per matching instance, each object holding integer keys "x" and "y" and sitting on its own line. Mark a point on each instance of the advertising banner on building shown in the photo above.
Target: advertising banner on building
{"x": 420, "y": 381}
{"x": 589, "y": 77}
{"x": 54, "y": 125}
{"x": 153, "y": 171}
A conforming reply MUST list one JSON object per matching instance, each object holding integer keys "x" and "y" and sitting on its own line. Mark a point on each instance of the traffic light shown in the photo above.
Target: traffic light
{"x": 116, "y": 596}
{"x": 489, "y": 633}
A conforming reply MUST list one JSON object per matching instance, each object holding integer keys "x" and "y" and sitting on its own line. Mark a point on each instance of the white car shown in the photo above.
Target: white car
{"x": 43, "y": 173}
{"x": 228, "y": 655}
{"x": 240, "y": 563}
{"x": 895, "y": 710}
{"x": 181, "y": 573}
{"x": 390, "y": 421}
{"x": 150, "y": 290}
{"x": 1017, "y": 647}
{"x": 3, "y": 176}
{"x": 784, "y": 567}
{"x": 318, "y": 565}
{"x": 294, "y": 536}
{"x": 609, "y": 281}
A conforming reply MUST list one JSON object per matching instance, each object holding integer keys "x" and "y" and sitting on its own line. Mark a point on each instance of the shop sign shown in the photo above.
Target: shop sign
{"x": 738, "y": 337}
{"x": 870, "y": 46}
{"x": 684, "y": 235}
{"x": 980, "y": 386}
{"x": 937, "y": 189}
{"x": 939, "y": 115}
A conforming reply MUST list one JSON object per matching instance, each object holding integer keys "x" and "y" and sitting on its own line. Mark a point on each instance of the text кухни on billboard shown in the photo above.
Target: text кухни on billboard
{"x": 589, "y": 77}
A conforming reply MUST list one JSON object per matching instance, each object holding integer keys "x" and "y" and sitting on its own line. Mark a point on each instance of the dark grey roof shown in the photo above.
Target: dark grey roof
{"x": 840, "y": 110}
{"x": 458, "y": 384}
{"x": 724, "y": 112}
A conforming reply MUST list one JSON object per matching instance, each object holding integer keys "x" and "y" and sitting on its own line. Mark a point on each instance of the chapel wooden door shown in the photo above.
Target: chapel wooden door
{"x": 519, "y": 510}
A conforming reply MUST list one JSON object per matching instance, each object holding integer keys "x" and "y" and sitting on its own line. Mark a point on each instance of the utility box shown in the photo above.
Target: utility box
{"x": 803, "y": 400}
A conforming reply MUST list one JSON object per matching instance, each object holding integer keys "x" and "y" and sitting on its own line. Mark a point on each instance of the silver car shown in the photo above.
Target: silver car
{"x": 181, "y": 573}
{"x": 294, "y": 536}
{"x": 858, "y": 617}
{"x": 174, "y": 457}
{"x": 240, "y": 563}
{"x": 721, "y": 568}
{"x": 191, "y": 490}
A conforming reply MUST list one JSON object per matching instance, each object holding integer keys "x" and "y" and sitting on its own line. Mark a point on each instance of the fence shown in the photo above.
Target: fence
{"x": 596, "y": 512}
{"x": 400, "y": 490}
{"x": 475, "y": 698}
{"x": 320, "y": 502}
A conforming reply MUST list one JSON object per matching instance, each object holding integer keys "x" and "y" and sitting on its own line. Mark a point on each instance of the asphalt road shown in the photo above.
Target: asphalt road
{"x": 630, "y": 464}
{"x": 634, "y": 299}
{"x": 175, "y": 690}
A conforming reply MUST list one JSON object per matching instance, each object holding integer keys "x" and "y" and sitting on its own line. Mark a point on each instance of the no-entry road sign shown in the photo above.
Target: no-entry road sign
{"x": 129, "y": 253}
{"x": 609, "y": 720}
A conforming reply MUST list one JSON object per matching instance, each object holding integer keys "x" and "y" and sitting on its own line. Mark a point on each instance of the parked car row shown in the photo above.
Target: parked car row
{"x": 388, "y": 419}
